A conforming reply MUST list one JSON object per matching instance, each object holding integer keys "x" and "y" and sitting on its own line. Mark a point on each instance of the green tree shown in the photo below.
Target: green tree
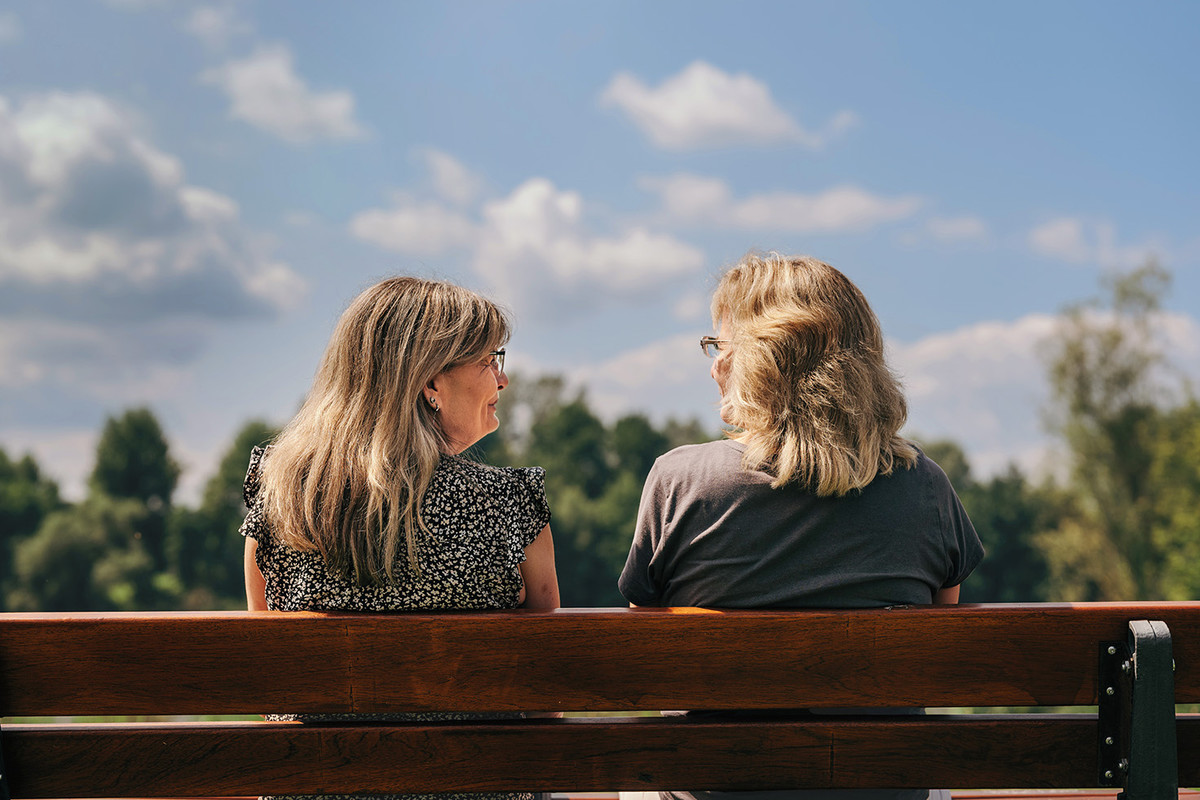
{"x": 572, "y": 444}
{"x": 26, "y": 498}
{"x": 1109, "y": 407}
{"x": 1008, "y": 513}
{"x": 636, "y": 443}
{"x": 689, "y": 431}
{"x": 204, "y": 548}
{"x": 133, "y": 461}
{"x": 594, "y": 476}
{"x": 90, "y": 557}
{"x": 1176, "y": 470}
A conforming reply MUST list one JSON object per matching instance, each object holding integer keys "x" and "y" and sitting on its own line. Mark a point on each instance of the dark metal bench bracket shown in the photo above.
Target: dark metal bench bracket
{"x": 1137, "y": 714}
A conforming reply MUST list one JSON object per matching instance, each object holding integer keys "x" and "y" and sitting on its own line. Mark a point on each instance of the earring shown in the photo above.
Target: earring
{"x": 434, "y": 403}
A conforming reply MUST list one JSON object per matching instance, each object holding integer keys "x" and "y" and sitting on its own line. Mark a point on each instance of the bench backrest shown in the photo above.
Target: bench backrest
{"x": 568, "y": 660}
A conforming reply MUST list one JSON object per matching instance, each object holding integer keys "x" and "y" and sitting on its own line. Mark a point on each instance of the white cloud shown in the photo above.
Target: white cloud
{"x": 113, "y": 270}
{"x": 451, "y": 180}
{"x": 415, "y": 227}
{"x": 216, "y": 26}
{"x": 1081, "y": 241}
{"x": 670, "y": 374}
{"x": 426, "y": 227}
{"x": 1061, "y": 238}
{"x": 267, "y": 93}
{"x": 696, "y": 200}
{"x": 10, "y": 27}
{"x": 703, "y": 106}
{"x": 984, "y": 385}
{"x": 535, "y": 248}
{"x": 94, "y": 212}
{"x": 691, "y": 307}
{"x": 142, "y": 359}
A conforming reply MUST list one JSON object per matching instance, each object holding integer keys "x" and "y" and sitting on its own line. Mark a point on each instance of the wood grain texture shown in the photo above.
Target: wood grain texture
{"x": 212, "y": 759}
{"x": 575, "y": 660}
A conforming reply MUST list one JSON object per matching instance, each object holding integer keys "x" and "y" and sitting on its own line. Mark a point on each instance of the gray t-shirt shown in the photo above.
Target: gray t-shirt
{"x": 710, "y": 533}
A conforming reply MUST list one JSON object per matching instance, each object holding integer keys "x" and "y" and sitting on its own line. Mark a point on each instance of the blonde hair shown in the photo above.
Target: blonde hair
{"x": 347, "y": 476}
{"x": 807, "y": 382}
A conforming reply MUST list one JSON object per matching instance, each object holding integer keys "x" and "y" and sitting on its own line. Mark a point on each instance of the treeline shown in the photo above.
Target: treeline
{"x": 125, "y": 546}
{"x": 128, "y": 546}
{"x": 1121, "y": 522}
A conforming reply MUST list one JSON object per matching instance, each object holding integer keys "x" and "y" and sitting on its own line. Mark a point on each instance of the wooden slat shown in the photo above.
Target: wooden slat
{"x": 208, "y": 759}
{"x": 581, "y": 660}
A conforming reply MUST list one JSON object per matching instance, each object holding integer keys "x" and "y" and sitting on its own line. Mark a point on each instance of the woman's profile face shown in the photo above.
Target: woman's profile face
{"x": 720, "y": 365}
{"x": 466, "y": 398}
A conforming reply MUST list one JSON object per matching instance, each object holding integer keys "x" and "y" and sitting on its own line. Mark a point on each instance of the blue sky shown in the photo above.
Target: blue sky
{"x": 190, "y": 193}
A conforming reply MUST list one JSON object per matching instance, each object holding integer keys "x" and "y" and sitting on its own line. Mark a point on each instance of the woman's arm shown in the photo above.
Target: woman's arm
{"x": 947, "y": 596}
{"x": 541, "y": 579}
{"x": 541, "y": 587}
{"x": 256, "y": 585}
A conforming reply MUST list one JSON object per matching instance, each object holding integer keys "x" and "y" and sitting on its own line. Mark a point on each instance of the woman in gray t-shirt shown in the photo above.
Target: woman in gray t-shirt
{"x": 816, "y": 500}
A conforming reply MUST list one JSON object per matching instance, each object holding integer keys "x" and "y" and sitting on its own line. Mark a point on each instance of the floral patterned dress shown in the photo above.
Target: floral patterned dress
{"x": 480, "y": 519}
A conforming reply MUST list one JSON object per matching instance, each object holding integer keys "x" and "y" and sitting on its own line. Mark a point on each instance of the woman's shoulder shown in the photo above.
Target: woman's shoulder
{"x": 928, "y": 470}
{"x": 709, "y": 460}
{"x": 531, "y": 480}
{"x": 721, "y": 450}
{"x": 465, "y": 486}
{"x": 465, "y": 472}
{"x": 923, "y": 478}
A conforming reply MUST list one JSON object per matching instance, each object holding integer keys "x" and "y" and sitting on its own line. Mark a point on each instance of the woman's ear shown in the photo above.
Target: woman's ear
{"x": 431, "y": 394}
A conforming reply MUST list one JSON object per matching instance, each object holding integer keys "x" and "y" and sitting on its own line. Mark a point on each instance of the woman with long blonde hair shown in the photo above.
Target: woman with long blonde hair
{"x": 364, "y": 487}
{"x": 813, "y": 499}
{"x": 364, "y": 503}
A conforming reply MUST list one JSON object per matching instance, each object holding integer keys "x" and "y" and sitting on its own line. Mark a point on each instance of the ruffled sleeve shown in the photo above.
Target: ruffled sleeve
{"x": 529, "y": 511}
{"x": 254, "y": 525}
{"x": 250, "y": 484}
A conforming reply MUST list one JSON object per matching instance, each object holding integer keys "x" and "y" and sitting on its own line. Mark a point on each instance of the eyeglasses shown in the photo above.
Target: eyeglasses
{"x": 496, "y": 359}
{"x": 711, "y": 345}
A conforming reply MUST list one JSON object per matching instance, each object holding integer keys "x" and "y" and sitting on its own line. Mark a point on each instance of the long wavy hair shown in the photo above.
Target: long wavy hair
{"x": 807, "y": 384}
{"x": 347, "y": 476}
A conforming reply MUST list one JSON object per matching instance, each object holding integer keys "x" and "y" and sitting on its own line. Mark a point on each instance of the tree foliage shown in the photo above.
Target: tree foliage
{"x": 1126, "y": 446}
{"x": 1007, "y": 512}
{"x": 204, "y": 548}
{"x": 26, "y": 498}
{"x": 594, "y": 477}
{"x": 90, "y": 557}
{"x": 133, "y": 461}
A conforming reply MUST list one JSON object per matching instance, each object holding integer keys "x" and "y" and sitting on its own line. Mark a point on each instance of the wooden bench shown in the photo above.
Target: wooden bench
{"x": 602, "y": 661}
